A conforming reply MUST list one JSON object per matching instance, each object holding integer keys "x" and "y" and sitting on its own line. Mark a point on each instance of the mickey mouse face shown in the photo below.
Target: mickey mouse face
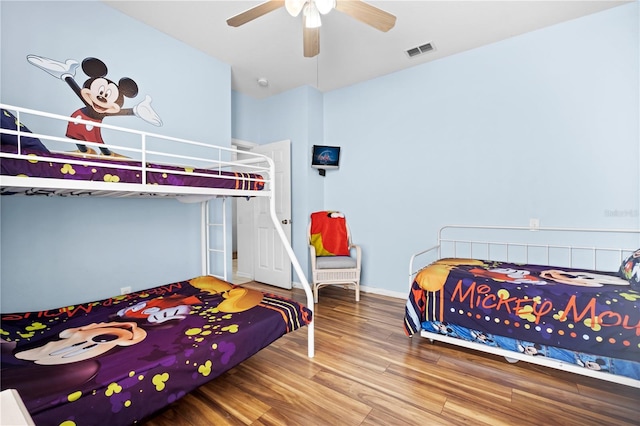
{"x": 102, "y": 95}
{"x": 582, "y": 278}
{"x": 78, "y": 344}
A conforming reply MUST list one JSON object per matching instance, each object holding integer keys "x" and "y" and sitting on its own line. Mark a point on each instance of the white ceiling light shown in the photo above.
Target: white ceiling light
{"x": 325, "y": 6}
{"x": 311, "y": 10}
{"x": 311, "y": 15}
{"x": 294, "y": 6}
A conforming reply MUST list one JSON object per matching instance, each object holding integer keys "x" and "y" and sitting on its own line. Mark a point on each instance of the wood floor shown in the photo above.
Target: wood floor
{"x": 367, "y": 372}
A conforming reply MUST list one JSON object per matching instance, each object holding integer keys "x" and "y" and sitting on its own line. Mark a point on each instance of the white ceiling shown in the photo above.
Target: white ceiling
{"x": 350, "y": 52}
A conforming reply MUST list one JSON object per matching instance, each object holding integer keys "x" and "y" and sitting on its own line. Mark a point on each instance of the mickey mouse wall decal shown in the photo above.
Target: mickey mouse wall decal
{"x": 101, "y": 96}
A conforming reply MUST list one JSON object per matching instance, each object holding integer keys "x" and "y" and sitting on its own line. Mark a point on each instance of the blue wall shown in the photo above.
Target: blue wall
{"x": 544, "y": 125}
{"x": 64, "y": 251}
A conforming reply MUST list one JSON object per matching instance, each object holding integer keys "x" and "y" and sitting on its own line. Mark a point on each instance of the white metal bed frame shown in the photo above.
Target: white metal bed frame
{"x": 449, "y": 247}
{"x": 216, "y": 158}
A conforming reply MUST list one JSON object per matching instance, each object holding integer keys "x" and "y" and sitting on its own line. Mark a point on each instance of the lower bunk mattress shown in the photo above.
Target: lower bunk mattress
{"x": 118, "y": 360}
{"x": 587, "y": 318}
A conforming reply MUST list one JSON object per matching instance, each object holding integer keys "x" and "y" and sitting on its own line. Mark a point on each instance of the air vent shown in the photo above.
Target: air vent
{"x": 427, "y": 47}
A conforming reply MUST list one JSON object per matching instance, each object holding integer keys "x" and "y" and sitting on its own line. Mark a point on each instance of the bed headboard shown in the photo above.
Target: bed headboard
{"x": 588, "y": 248}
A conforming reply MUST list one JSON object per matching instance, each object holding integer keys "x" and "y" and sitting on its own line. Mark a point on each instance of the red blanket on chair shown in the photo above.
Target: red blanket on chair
{"x": 329, "y": 234}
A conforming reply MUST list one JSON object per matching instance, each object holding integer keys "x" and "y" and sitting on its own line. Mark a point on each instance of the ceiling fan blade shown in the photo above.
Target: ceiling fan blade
{"x": 311, "y": 41}
{"x": 367, "y": 13}
{"x": 254, "y": 12}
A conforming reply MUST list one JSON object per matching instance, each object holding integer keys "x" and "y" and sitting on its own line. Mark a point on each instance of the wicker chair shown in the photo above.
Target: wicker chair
{"x": 328, "y": 269}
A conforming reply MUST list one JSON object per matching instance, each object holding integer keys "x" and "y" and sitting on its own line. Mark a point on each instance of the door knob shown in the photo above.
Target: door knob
{"x": 285, "y": 221}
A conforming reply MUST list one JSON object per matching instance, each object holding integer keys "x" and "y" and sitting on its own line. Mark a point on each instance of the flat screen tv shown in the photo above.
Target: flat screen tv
{"x": 325, "y": 157}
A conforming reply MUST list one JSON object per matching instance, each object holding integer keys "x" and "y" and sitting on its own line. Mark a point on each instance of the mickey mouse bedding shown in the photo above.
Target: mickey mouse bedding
{"x": 118, "y": 360}
{"x": 582, "y": 317}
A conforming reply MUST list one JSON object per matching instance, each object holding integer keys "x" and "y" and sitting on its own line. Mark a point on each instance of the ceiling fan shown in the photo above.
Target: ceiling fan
{"x": 311, "y": 11}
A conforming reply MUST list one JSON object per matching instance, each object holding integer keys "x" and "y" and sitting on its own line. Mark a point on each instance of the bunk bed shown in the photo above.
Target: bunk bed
{"x": 120, "y": 359}
{"x": 526, "y": 295}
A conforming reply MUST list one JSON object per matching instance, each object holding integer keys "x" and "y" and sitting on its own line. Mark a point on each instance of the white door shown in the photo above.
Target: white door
{"x": 271, "y": 262}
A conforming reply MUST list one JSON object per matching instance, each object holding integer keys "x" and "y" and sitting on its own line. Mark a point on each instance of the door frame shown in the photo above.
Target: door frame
{"x": 243, "y": 228}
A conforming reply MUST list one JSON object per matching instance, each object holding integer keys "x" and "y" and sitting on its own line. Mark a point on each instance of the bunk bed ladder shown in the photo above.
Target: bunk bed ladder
{"x": 209, "y": 247}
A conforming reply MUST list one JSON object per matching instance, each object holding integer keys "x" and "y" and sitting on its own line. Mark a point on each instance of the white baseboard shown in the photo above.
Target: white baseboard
{"x": 372, "y": 290}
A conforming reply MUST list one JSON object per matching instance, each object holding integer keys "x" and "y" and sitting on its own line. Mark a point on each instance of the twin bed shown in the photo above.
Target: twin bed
{"x": 581, "y": 315}
{"x": 119, "y": 360}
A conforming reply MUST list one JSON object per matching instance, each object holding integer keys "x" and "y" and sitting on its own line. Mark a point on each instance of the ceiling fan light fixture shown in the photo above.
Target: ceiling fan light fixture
{"x": 360, "y": 10}
{"x": 311, "y": 15}
{"x": 325, "y": 6}
{"x": 294, "y": 6}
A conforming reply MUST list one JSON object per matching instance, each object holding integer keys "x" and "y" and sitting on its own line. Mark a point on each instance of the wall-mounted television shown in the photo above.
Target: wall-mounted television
{"x": 325, "y": 157}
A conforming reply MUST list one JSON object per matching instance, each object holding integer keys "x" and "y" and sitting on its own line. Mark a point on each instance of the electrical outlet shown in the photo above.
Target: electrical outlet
{"x": 534, "y": 224}
{"x": 125, "y": 290}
